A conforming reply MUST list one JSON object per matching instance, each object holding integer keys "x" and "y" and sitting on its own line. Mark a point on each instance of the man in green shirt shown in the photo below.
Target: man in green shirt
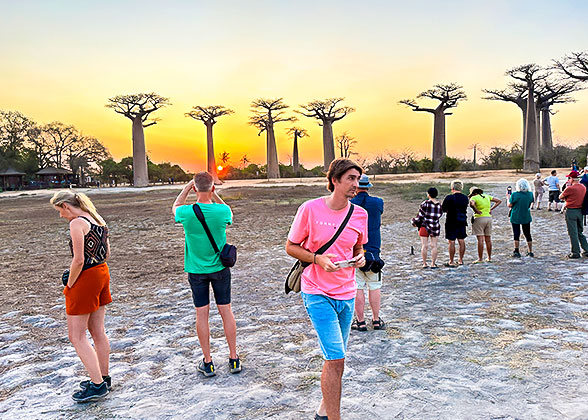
{"x": 204, "y": 267}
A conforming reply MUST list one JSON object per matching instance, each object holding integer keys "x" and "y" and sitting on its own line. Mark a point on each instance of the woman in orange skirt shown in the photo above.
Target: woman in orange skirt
{"x": 87, "y": 290}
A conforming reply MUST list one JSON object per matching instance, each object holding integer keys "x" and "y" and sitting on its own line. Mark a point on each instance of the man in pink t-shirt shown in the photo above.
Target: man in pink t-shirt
{"x": 328, "y": 285}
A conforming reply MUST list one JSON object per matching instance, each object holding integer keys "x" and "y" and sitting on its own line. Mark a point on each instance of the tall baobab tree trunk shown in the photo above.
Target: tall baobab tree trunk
{"x": 295, "y": 160}
{"x": 439, "y": 150}
{"x": 273, "y": 168}
{"x": 531, "y": 152}
{"x": 524, "y": 111}
{"x": 538, "y": 122}
{"x": 210, "y": 160}
{"x": 140, "y": 175}
{"x": 546, "y": 137}
{"x": 328, "y": 143}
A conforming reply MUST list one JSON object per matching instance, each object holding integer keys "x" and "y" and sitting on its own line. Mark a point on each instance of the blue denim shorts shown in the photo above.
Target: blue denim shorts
{"x": 331, "y": 319}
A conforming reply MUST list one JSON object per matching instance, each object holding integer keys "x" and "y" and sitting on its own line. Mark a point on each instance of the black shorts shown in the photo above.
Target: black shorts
{"x": 455, "y": 232}
{"x": 221, "y": 287}
{"x": 554, "y": 196}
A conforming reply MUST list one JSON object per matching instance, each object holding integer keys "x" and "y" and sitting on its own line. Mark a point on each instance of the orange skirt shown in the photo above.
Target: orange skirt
{"x": 90, "y": 291}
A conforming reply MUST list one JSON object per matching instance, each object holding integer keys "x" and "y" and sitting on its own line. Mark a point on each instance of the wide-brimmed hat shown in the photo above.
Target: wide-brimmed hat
{"x": 573, "y": 174}
{"x": 364, "y": 181}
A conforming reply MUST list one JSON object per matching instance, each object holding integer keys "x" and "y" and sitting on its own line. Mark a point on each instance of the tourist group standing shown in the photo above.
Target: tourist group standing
{"x": 338, "y": 239}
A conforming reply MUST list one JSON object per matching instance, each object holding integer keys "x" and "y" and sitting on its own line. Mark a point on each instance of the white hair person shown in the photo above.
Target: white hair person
{"x": 523, "y": 185}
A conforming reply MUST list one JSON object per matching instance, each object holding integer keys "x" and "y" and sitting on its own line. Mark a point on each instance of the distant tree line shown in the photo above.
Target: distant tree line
{"x": 27, "y": 146}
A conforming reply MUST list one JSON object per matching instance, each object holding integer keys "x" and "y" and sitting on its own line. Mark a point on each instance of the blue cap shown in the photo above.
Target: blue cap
{"x": 364, "y": 181}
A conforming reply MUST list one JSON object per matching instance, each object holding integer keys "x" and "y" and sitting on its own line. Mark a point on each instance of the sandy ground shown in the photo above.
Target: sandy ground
{"x": 501, "y": 340}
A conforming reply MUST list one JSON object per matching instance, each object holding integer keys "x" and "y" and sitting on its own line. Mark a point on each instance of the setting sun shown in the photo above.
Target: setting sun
{"x": 220, "y": 168}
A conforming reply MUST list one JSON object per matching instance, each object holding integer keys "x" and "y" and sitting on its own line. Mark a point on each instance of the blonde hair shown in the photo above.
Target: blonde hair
{"x": 79, "y": 200}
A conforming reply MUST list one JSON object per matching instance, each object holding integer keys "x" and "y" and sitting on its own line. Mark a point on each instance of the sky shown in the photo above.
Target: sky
{"x": 62, "y": 60}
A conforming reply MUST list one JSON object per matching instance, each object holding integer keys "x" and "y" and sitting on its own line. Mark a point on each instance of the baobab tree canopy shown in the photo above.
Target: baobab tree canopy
{"x": 449, "y": 96}
{"x": 138, "y": 105}
{"x": 574, "y": 65}
{"x": 138, "y": 108}
{"x": 208, "y": 115}
{"x": 327, "y": 112}
{"x": 266, "y": 113}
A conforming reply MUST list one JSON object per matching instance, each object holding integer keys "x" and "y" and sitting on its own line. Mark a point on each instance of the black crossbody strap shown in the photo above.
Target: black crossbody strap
{"x": 326, "y": 246}
{"x": 200, "y": 216}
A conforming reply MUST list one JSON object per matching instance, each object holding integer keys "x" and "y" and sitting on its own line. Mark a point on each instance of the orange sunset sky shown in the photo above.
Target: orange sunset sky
{"x": 63, "y": 60}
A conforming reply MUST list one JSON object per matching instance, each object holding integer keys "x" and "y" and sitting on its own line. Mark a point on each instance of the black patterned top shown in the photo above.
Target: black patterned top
{"x": 95, "y": 245}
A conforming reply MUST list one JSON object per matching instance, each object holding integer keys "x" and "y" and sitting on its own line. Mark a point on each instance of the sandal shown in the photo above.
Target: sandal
{"x": 359, "y": 325}
{"x": 434, "y": 266}
{"x": 379, "y": 324}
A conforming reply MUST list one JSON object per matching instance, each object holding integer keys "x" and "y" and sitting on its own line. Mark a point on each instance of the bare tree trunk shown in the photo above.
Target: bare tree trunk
{"x": 273, "y": 168}
{"x": 538, "y": 119}
{"x": 295, "y": 160}
{"x": 439, "y": 151}
{"x": 140, "y": 175}
{"x": 328, "y": 143}
{"x": 531, "y": 152}
{"x": 524, "y": 111}
{"x": 547, "y": 139}
{"x": 210, "y": 160}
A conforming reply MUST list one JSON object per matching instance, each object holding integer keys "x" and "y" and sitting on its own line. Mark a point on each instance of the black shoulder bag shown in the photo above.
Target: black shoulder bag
{"x": 294, "y": 277}
{"x": 228, "y": 255}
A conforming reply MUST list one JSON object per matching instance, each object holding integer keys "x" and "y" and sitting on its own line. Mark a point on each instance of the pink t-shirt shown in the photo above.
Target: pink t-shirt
{"x": 314, "y": 225}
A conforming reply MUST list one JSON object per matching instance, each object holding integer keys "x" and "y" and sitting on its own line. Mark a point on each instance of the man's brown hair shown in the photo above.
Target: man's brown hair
{"x": 337, "y": 168}
{"x": 203, "y": 181}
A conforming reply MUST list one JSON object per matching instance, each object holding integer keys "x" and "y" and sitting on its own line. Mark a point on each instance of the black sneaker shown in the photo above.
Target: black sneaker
{"x": 317, "y": 417}
{"x": 235, "y": 365}
{"x": 530, "y": 254}
{"x": 516, "y": 254}
{"x": 207, "y": 369}
{"x": 585, "y": 254}
{"x": 573, "y": 256}
{"x": 107, "y": 379}
{"x": 92, "y": 392}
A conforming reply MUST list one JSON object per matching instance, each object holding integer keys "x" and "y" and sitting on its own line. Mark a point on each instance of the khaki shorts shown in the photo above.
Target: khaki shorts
{"x": 368, "y": 280}
{"x": 482, "y": 226}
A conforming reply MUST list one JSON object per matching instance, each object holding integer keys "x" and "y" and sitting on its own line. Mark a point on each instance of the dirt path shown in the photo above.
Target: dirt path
{"x": 506, "y": 340}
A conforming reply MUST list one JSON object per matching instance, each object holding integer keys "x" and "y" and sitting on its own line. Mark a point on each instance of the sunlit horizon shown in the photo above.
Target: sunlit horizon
{"x": 63, "y": 61}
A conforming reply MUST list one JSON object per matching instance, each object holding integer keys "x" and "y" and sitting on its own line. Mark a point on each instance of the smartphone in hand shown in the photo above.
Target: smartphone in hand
{"x": 345, "y": 263}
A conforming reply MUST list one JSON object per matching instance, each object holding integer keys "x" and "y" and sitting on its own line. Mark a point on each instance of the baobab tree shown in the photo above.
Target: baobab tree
{"x": 345, "y": 143}
{"x": 449, "y": 97}
{"x": 327, "y": 112}
{"x": 574, "y": 65}
{"x": 530, "y": 75}
{"x": 208, "y": 116}
{"x": 138, "y": 108}
{"x": 267, "y": 113}
{"x": 298, "y": 133}
{"x": 548, "y": 90}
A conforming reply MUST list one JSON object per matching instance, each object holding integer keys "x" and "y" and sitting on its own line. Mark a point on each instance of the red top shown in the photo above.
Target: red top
{"x": 574, "y": 196}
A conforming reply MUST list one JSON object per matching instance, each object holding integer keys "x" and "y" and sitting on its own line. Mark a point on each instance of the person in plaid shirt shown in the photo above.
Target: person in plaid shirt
{"x": 427, "y": 221}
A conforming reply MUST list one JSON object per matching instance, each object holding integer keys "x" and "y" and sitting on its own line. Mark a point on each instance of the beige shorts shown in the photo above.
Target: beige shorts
{"x": 482, "y": 226}
{"x": 368, "y": 280}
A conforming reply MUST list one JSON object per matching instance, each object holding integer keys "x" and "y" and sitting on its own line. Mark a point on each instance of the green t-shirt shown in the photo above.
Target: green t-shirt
{"x": 521, "y": 201}
{"x": 199, "y": 256}
{"x": 483, "y": 204}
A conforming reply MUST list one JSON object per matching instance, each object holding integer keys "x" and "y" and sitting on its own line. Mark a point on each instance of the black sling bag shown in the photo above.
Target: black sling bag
{"x": 228, "y": 255}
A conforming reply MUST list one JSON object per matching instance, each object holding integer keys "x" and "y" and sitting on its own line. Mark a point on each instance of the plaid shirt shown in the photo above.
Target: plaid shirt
{"x": 428, "y": 217}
